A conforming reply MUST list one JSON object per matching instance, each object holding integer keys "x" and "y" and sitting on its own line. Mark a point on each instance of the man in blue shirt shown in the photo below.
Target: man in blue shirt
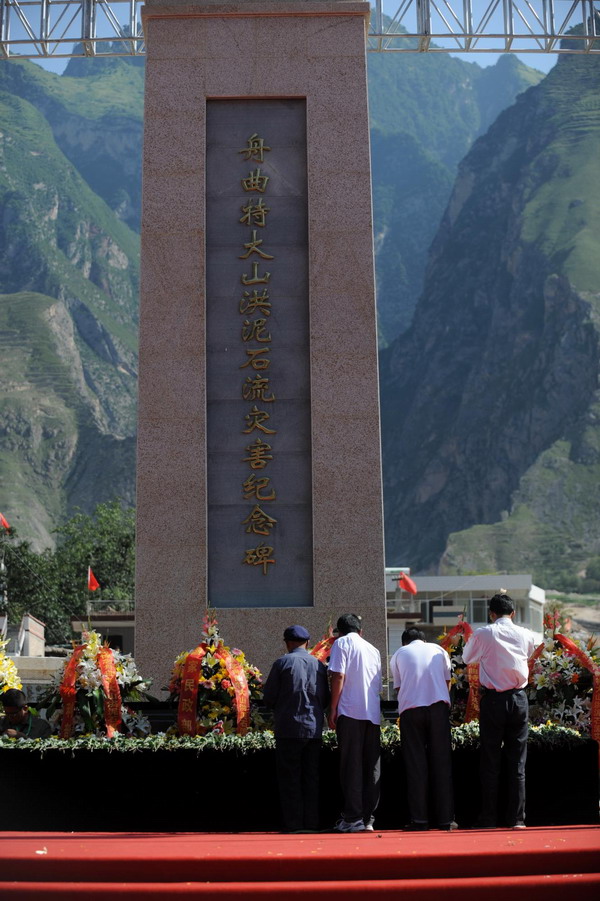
{"x": 298, "y": 691}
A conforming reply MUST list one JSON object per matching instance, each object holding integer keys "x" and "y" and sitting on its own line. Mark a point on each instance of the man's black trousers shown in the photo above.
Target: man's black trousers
{"x": 503, "y": 726}
{"x": 427, "y": 753}
{"x": 297, "y": 762}
{"x": 360, "y": 767}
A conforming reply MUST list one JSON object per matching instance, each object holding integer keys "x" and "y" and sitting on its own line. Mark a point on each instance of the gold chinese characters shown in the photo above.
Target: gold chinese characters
{"x": 257, "y": 340}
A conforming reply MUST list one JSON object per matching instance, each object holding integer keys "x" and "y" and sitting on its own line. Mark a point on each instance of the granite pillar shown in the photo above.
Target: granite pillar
{"x": 198, "y": 54}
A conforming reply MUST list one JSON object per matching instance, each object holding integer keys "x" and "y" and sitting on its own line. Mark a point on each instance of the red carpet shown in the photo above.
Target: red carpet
{"x": 540, "y": 863}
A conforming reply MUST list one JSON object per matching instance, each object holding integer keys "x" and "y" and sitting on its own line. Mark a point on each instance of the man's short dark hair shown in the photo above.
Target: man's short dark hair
{"x": 14, "y": 697}
{"x": 349, "y": 622}
{"x": 412, "y": 635}
{"x": 502, "y": 605}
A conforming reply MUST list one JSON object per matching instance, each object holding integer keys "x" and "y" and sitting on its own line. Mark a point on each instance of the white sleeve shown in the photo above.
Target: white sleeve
{"x": 471, "y": 651}
{"x": 448, "y": 664}
{"x": 337, "y": 659}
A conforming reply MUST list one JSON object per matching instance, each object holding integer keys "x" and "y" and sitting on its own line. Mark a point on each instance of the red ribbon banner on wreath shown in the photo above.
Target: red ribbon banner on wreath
{"x": 112, "y": 692}
{"x": 587, "y": 662}
{"x": 464, "y": 630}
{"x": 236, "y": 674}
{"x": 68, "y": 692}
{"x": 322, "y": 649}
{"x": 188, "y": 696}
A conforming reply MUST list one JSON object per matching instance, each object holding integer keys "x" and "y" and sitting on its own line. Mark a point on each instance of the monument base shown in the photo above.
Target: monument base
{"x": 227, "y": 791}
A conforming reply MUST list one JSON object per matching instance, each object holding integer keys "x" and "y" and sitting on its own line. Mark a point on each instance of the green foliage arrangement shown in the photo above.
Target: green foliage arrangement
{"x": 548, "y": 736}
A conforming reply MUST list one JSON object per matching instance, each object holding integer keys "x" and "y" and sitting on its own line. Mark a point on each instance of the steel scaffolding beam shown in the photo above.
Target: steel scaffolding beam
{"x": 487, "y": 26}
{"x": 65, "y": 28}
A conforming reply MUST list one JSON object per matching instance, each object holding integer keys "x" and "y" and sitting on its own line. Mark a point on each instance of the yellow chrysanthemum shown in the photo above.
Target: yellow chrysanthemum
{"x": 9, "y": 674}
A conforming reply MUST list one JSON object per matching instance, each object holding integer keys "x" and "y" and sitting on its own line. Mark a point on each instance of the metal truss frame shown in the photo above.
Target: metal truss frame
{"x": 37, "y": 29}
{"x": 487, "y": 26}
{"x": 31, "y": 29}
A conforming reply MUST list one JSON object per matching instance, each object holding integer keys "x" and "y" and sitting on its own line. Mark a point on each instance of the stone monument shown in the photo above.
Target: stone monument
{"x": 259, "y": 481}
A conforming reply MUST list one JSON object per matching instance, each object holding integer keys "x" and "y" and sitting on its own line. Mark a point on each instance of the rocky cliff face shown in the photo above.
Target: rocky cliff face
{"x": 426, "y": 111}
{"x": 494, "y": 385}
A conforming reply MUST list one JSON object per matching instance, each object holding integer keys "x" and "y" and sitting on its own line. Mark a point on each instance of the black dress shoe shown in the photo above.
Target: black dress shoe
{"x": 448, "y": 827}
{"x": 416, "y": 827}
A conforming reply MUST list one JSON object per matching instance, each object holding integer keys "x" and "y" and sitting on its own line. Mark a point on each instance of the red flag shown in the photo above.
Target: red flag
{"x": 4, "y": 522}
{"x": 93, "y": 582}
{"x": 407, "y": 584}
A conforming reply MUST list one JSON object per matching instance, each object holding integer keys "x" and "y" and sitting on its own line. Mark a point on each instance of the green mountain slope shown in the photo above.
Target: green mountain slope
{"x": 491, "y": 430}
{"x": 69, "y": 282}
{"x": 95, "y": 111}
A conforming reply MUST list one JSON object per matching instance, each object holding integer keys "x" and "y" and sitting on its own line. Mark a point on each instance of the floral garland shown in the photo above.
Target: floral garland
{"x": 215, "y": 688}
{"x": 90, "y": 692}
{"x": 547, "y": 736}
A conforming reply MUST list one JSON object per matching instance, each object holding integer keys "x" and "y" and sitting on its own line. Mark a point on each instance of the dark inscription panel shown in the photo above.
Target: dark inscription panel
{"x": 257, "y": 343}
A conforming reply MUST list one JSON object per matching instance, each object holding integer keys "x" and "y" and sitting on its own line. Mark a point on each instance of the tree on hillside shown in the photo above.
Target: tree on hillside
{"x": 53, "y": 585}
{"x": 106, "y": 542}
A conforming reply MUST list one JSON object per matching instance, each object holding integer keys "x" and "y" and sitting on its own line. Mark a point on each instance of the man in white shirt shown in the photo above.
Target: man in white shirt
{"x": 355, "y": 713}
{"x": 421, "y": 672}
{"x": 502, "y": 650}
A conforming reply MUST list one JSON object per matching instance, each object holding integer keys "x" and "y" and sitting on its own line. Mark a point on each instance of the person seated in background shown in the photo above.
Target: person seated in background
{"x": 18, "y": 721}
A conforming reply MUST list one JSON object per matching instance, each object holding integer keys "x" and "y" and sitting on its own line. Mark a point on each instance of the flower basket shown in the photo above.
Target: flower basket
{"x": 215, "y": 688}
{"x": 91, "y": 692}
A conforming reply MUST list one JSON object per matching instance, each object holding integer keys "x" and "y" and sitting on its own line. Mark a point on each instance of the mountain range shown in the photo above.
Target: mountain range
{"x": 477, "y": 256}
{"x": 490, "y": 400}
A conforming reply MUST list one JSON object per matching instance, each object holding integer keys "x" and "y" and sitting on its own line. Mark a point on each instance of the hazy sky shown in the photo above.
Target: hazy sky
{"x": 542, "y": 61}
